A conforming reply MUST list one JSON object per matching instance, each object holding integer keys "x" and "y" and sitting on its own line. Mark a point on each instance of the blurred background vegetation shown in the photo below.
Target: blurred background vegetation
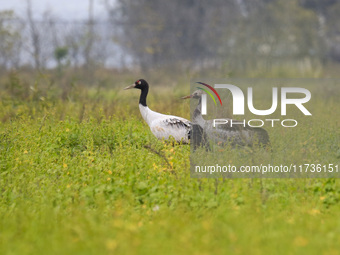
{"x": 50, "y": 60}
{"x": 253, "y": 38}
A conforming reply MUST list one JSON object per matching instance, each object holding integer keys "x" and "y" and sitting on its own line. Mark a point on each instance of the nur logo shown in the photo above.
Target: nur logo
{"x": 239, "y": 102}
{"x": 284, "y": 96}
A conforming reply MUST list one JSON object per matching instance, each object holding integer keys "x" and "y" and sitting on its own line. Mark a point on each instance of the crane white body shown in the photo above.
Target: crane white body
{"x": 166, "y": 126}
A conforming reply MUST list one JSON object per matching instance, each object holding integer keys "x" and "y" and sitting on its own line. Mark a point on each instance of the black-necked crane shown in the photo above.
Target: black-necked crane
{"x": 161, "y": 125}
{"x": 226, "y": 134}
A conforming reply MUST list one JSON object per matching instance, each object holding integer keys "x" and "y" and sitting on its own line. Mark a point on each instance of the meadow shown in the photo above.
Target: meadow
{"x": 80, "y": 173}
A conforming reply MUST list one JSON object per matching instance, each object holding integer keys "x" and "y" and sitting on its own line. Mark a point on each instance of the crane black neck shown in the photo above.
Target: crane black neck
{"x": 143, "y": 95}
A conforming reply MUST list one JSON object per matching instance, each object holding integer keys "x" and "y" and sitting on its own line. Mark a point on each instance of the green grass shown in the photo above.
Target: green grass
{"x": 84, "y": 175}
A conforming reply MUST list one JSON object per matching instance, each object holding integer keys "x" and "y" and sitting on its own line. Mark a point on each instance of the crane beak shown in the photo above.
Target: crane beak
{"x": 186, "y": 97}
{"x": 130, "y": 87}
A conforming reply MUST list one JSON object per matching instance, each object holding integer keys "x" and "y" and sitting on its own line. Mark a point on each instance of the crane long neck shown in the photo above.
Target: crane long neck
{"x": 143, "y": 95}
{"x": 197, "y": 114}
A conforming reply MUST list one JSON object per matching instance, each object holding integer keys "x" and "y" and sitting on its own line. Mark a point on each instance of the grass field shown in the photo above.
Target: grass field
{"x": 82, "y": 174}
